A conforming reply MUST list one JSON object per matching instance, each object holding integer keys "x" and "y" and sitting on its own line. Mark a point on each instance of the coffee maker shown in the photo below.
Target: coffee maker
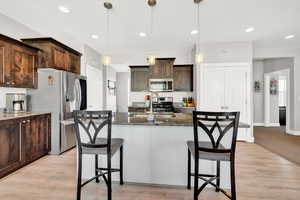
{"x": 16, "y": 103}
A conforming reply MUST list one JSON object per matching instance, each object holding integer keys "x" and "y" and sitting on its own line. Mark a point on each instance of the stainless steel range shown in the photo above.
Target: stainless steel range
{"x": 60, "y": 93}
{"x": 162, "y": 104}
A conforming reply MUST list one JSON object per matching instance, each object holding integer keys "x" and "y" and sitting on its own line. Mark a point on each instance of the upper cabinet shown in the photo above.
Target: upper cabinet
{"x": 163, "y": 68}
{"x": 183, "y": 78}
{"x": 139, "y": 78}
{"x": 18, "y": 64}
{"x": 56, "y": 55}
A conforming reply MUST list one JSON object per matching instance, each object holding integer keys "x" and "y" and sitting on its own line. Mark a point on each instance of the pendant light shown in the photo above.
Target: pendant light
{"x": 106, "y": 59}
{"x": 199, "y": 58}
{"x": 151, "y": 58}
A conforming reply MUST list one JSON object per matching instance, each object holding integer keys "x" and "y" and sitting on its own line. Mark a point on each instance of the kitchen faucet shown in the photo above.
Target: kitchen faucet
{"x": 151, "y": 100}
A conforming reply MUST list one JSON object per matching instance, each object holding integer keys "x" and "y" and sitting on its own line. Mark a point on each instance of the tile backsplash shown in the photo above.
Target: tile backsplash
{"x": 3, "y": 92}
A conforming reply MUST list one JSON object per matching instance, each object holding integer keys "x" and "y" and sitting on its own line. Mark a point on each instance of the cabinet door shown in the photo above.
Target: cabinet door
{"x": 156, "y": 71}
{"x": 168, "y": 68}
{"x": 60, "y": 58}
{"x": 6, "y": 71}
{"x": 183, "y": 78}
{"x": 38, "y": 138}
{"x": 26, "y": 132}
{"x": 23, "y": 67}
{"x": 139, "y": 79}
{"x": 73, "y": 63}
{"x": 10, "y": 146}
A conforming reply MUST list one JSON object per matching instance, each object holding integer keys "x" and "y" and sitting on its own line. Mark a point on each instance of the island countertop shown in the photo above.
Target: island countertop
{"x": 10, "y": 116}
{"x": 178, "y": 119}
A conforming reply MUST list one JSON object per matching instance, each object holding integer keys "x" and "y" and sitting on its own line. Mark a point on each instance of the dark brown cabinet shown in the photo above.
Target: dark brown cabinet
{"x": 10, "y": 146}
{"x": 23, "y": 67}
{"x": 163, "y": 68}
{"x": 183, "y": 78}
{"x": 56, "y": 55}
{"x": 22, "y": 141}
{"x": 18, "y": 66}
{"x": 139, "y": 78}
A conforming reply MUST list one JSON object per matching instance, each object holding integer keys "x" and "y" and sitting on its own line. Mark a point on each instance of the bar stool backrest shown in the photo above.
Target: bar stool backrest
{"x": 216, "y": 125}
{"x": 88, "y": 125}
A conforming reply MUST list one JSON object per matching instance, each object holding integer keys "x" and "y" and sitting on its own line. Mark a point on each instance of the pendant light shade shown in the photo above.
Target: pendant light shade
{"x": 151, "y": 60}
{"x": 199, "y": 58}
{"x": 106, "y": 60}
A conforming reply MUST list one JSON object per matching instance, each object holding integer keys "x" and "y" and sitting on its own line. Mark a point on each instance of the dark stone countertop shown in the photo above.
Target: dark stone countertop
{"x": 178, "y": 119}
{"x": 10, "y": 116}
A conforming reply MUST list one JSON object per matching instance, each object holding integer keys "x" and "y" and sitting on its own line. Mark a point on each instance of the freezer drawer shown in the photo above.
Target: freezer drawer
{"x": 67, "y": 136}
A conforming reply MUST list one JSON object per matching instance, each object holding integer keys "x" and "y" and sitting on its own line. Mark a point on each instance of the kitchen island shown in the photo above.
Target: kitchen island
{"x": 156, "y": 152}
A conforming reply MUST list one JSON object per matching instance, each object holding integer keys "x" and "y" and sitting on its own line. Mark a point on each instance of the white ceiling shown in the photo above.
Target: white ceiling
{"x": 221, "y": 21}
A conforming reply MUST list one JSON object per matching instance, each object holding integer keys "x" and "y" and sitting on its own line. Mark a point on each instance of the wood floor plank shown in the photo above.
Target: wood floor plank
{"x": 260, "y": 175}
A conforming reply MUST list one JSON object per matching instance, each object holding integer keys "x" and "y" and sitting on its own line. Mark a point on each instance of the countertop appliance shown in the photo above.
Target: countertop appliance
{"x": 16, "y": 103}
{"x": 60, "y": 93}
{"x": 161, "y": 85}
{"x": 162, "y": 104}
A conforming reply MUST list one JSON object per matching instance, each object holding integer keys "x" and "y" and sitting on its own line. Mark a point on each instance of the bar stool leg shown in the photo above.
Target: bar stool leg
{"x": 218, "y": 176}
{"x": 189, "y": 171}
{"x": 109, "y": 189}
{"x": 232, "y": 175}
{"x": 196, "y": 179}
{"x": 121, "y": 166}
{"x": 96, "y": 167}
{"x": 79, "y": 172}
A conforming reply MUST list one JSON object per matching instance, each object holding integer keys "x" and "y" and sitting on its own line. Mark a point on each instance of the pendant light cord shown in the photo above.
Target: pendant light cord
{"x": 107, "y": 31}
{"x": 198, "y": 23}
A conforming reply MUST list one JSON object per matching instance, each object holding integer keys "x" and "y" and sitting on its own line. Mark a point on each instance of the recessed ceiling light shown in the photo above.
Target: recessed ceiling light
{"x": 64, "y": 9}
{"x": 95, "y": 36}
{"x": 250, "y": 29}
{"x": 194, "y": 32}
{"x": 289, "y": 37}
{"x": 142, "y": 34}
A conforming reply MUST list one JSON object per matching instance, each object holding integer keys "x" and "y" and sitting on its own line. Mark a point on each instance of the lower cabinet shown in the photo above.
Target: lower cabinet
{"x": 22, "y": 141}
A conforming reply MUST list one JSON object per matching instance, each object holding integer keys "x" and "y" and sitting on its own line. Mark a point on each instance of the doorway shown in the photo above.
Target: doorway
{"x": 277, "y": 99}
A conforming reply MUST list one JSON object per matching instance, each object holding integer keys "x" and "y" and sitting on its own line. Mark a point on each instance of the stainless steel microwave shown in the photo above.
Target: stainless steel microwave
{"x": 161, "y": 85}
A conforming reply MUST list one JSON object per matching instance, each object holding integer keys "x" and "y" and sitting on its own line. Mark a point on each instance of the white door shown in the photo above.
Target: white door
{"x": 236, "y": 92}
{"x": 225, "y": 89}
{"x": 94, "y": 88}
{"x": 212, "y": 97}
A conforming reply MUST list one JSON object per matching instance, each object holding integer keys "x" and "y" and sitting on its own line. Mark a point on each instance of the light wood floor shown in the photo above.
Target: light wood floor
{"x": 260, "y": 175}
{"x": 278, "y": 141}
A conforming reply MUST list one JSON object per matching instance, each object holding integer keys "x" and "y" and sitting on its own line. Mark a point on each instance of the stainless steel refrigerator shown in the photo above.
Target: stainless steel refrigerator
{"x": 60, "y": 93}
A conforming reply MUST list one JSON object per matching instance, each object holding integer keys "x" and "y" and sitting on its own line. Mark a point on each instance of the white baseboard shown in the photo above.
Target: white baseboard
{"x": 291, "y": 132}
{"x": 259, "y": 124}
{"x": 272, "y": 125}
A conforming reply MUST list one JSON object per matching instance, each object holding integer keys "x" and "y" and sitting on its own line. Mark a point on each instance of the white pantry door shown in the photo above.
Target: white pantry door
{"x": 236, "y": 92}
{"x": 94, "y": 88}
{"x": 225, "y": 89}
{"x": 213, "y": 87}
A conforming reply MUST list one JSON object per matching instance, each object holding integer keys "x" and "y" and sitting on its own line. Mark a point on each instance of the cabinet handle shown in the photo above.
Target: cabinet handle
{"x": 28, "y": 120}
{"x": 13, "y": 83}
{"x": 7, "y": 83}
{"x": 24, "y": 122}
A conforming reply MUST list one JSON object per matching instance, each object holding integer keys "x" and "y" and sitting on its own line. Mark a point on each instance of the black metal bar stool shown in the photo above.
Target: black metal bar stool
{"x": 94, "y": 145}
{"x": 209, "y": 122}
